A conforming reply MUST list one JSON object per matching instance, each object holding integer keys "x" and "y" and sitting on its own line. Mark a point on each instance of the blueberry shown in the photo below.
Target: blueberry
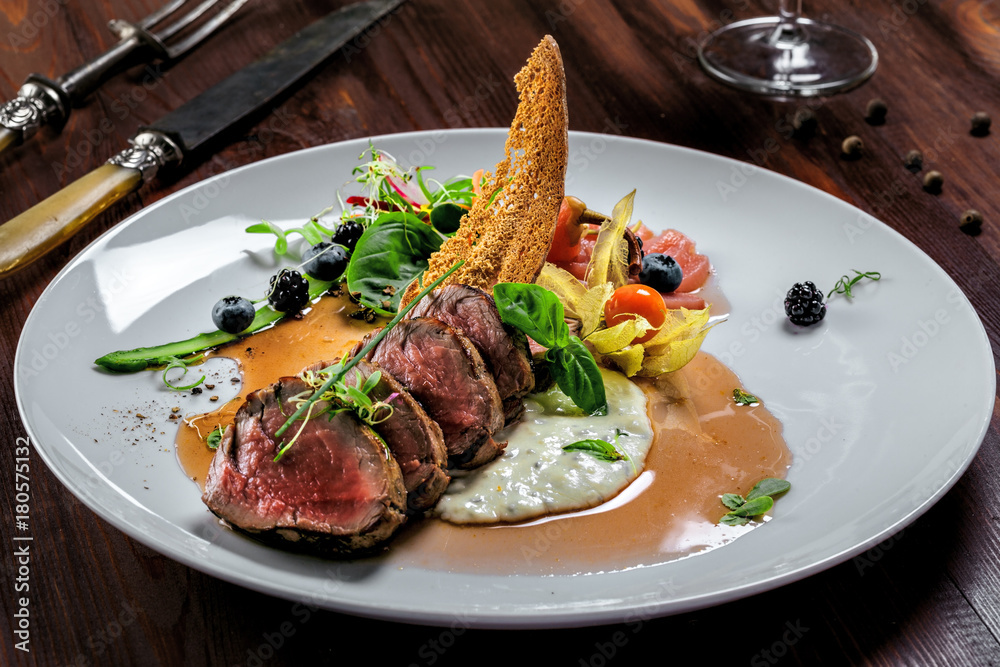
{"x": 347, "y": 234}
{"x": 233, "y": 314}
{"x": 661, "y": 272}
{"x": 325, "y": 261}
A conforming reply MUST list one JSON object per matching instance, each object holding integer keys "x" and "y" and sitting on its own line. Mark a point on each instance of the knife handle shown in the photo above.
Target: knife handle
{"x": 47, "y": 224}
{"x": 8, "y": 138}
{"x": 50, "y": 222}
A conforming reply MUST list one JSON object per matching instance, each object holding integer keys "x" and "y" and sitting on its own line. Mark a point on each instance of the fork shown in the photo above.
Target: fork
{"x": 42, "y": 101}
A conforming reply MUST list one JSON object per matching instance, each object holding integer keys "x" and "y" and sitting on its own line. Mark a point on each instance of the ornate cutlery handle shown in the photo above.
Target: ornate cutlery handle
{"x": 52, "y": 221}
{"x": 38, "y": 102}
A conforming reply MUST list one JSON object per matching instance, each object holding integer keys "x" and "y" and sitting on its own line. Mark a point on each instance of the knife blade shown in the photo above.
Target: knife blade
{"x": 166, "y": 142}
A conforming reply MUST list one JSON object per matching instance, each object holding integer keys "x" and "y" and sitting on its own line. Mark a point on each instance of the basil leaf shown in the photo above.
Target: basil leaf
{"x": 446, "y": 217}
{"x": 600, "y": 449}
{"x": 768, "y": 487}
{"x": 534, "y": 310}
{"x": 733, "y": 500}
{"x": 578, "y": 376}
{"x": 391, "y": 253}
{"x": 754, "y": 507}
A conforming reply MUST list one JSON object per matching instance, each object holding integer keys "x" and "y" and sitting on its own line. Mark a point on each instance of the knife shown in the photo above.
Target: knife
{"x": 181, "y": 132}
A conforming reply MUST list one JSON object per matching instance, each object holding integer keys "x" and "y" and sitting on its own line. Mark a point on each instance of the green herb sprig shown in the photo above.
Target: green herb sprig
{"x": 214, "y": 438}
{"x": 538, "y": 313}
{"x": 337, "y": 374}
{"x": 741, "y": 397}
{"x": 600, "y": 449}
{"x": 759, "y": 500}
{"x": 844, "y": 285}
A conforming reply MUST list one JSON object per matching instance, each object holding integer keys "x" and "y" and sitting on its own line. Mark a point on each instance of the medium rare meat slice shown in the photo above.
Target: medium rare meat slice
{"x": 505, "y": 350}
{"x": 415, "y": 440}
{"x": 337, "y": 490}
{"x": 441, "y": 368}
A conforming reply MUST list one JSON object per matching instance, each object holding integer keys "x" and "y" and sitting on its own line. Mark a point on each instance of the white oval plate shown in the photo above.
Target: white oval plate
{"x": 884, "y": 404}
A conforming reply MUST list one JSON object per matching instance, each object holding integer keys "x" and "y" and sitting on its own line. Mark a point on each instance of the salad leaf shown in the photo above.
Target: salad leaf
{"x": 446, "y": 217}
{"x": 389, "y": 255}
{"x": 771, "y": 486}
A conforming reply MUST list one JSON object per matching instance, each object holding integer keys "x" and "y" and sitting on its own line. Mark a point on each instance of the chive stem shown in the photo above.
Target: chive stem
{"x": 336, "y": 377}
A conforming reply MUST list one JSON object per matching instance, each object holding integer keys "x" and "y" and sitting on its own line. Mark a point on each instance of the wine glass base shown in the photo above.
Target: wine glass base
{"x": 788, "y": 57}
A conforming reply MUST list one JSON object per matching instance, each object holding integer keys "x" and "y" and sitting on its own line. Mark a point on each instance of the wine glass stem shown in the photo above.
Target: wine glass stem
{"x": 790, "y": 10}
{"x": 788, "y": 31}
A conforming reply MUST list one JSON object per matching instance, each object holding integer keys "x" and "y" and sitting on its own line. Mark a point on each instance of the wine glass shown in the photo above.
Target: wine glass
{"x": 788, "y": 55}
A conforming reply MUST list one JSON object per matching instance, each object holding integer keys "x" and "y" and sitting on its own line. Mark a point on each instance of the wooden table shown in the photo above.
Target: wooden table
{"x": 98, "y": 597}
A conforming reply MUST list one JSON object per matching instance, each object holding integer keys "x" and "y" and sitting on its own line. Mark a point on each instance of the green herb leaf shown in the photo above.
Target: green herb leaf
{"x": 534, "y": 310}
{"x": 731, "y": 519}
{"x": 446, "y": 217}
{"x": 758, "y": 501}
{"x": 771, "y": 486}
{"x": 733, "y": 500}
{"x": 578, "y": 376}
{"x": 599, "y": 449}
{"x": 214, "y": 438}
{"x": 391, "y": 253}
{"x": 743, "y": 398}
{"x": 754, "y": 507}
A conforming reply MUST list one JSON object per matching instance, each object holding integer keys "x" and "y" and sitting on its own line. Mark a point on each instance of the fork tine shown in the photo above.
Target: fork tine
{"x": 169, "y": 31}
{"x": 207, "y": 28}
{"x": 158, "y": 15}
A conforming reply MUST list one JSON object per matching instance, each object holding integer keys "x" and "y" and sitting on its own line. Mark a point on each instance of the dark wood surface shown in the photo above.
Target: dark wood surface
{"x": 929, "y": 596}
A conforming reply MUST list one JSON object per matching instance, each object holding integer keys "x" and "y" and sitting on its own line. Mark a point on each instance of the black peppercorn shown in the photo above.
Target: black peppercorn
{"x": 875, "y": 111}
{"x": 852, "y": 147}
{"x": 914, "y": 161}
{"x": 971, "y": 222}
{"x": 933, "y": 180}
{"x": 804, "y": 122}
{"x": 980, "y": 124}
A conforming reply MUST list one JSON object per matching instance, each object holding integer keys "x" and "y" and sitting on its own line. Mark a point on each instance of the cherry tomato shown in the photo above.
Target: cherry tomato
{"x": 631, "y": 300}
{"x": 566, "y": 242}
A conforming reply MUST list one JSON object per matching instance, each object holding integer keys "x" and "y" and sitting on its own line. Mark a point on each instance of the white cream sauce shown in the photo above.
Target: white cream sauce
{"x": 535, "y": 476}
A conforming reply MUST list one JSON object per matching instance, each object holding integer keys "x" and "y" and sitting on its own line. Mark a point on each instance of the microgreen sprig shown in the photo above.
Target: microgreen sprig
{"x": 176, "y": 362}
{"x": 741, "y": 397}
{"x": 338, "y": 374}
{"x": 759, "y": 500}
{"x": 844, "y": 285}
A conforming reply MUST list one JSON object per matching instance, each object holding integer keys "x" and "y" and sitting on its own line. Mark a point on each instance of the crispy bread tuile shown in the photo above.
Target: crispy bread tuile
{"x": 507, "y": 240}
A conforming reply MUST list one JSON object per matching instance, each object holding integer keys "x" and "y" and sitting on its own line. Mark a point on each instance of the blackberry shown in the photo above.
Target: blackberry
{"x": 347, "y": 234}
{"x": 804, "y": 304}
{"x": 289, "y": 291}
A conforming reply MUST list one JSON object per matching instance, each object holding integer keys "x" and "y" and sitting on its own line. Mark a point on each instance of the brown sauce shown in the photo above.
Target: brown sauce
{"x": 670, "y": 511}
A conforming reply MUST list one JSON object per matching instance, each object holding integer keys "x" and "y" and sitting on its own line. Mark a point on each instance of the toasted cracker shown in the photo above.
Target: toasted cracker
{"x": 507, "y": 240}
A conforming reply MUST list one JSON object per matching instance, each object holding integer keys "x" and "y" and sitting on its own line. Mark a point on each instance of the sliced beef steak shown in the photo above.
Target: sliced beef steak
{"x": 415, "y": 440}
{"x": 337, "y": 490}
{"x": 505, "y": 350}
{"x": 443, "y": 370}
